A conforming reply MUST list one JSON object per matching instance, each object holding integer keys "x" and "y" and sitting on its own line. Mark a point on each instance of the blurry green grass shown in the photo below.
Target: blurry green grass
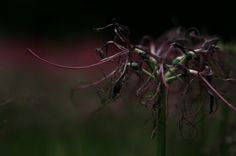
{"x": 104, "y": 137}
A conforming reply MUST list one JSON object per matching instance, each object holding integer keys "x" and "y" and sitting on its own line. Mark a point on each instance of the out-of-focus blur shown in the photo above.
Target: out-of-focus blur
{"x": 38, "y": 117}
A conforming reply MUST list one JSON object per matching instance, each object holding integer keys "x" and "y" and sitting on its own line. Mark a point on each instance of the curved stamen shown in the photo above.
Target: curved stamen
{"x": 100, "y": 80}
{"x": 212, "y": 89}
{"x": 79, "y": 67}
{"x": 116, "y": 44}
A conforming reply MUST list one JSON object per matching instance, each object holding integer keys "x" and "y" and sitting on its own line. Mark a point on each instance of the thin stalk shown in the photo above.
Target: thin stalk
{"x": 223, "y": 130}
{"x": 161, "y": 121}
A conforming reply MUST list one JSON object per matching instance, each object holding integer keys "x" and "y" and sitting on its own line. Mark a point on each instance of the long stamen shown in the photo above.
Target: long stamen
{"x": 99, "y": 81}
{"x": 102, "y": 28}
{"x": 78, "y": 67}
{"x": 216, "y": 92}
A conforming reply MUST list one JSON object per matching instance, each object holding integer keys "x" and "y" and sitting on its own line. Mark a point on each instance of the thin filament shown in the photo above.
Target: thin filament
{"x": 79, "y": 67}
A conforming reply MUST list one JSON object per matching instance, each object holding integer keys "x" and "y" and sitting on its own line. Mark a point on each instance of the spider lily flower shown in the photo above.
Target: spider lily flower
{"x": 157, "y": 64}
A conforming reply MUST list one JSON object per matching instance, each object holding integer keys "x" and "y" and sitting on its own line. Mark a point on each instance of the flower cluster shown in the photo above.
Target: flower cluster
{"x": 181, "y": 55}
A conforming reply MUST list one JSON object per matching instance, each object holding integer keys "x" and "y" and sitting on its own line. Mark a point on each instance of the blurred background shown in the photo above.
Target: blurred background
{"x": 38, "y": 116}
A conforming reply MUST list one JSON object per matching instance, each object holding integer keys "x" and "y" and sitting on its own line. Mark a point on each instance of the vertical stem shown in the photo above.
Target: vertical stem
{"x": 223, "y": 130}
{"x": 161, "y": 123}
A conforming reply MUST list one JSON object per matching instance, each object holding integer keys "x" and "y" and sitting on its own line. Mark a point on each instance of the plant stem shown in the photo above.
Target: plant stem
{"x": 161, "y": 121}
{"x": 223, "y": 130}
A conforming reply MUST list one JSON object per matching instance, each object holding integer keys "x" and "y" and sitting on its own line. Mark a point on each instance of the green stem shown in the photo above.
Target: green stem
{"x": 161, "y": 124}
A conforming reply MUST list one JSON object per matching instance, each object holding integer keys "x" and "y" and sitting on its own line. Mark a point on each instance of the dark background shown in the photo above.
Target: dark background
{"x": 77, "y": 18}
